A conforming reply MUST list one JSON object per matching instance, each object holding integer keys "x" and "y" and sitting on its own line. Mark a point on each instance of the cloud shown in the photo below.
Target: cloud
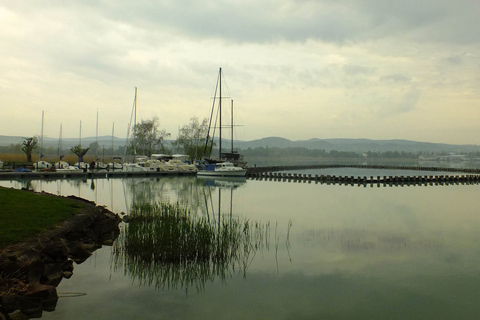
{"x": 353, "y": 59}
{"x": 396, "y": 78}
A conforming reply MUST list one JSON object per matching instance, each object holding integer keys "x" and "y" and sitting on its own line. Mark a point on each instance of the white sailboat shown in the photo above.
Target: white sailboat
{"x": 42, "y": 164}
{"x": 99, "y": 165}
{"x": 222, "y": 167}
{"x": 63, "y": 166}
{"x": 133, "y": 166}
{"x": 116, "y": 162}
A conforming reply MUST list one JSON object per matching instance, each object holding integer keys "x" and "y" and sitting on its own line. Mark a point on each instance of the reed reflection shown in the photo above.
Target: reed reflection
{"x": 185, "y": 244}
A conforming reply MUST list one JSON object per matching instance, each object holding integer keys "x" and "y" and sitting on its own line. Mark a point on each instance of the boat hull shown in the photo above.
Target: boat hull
{"x": 236, "y": 173}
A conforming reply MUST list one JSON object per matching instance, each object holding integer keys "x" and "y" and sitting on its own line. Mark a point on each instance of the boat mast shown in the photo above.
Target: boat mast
{"x": 134, "y": 124}
{"x": 113, "y": 135}
{"x": 80, "y": 137}
{"x": 232, "y": 126}
{"x": 96, "y": 136}
{"x": 41, "y": 142}
{"x": 60, "y": 143}
{"x": 220, "y": 115}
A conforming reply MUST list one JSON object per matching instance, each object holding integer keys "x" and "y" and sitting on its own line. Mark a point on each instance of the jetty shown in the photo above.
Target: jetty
{"x": 52, "y": 175}
{"x": 276, "y": 173}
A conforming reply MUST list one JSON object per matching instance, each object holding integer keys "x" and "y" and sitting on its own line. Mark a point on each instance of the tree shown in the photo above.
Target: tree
{"x": 29, "y": 144}
{"x": 147, "y": 138}
{"x": 95, "y": 147}
{"x": 191, "y": 137}
{"x": 79, "y": 151}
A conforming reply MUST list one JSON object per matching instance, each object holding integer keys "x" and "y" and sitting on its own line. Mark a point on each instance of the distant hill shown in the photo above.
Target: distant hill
{"x": 354, "y": 145}
{"x": 358, "y": 145}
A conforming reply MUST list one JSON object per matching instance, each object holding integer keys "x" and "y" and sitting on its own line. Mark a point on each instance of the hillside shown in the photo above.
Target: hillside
{"x": 352, "y": 145}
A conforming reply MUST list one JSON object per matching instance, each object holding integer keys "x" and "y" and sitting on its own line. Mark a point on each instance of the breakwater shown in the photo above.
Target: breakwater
{"x": 275, "y": 174}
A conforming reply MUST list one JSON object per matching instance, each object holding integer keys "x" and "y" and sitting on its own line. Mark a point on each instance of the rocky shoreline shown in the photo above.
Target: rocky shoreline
{"x": 31, "y": 271}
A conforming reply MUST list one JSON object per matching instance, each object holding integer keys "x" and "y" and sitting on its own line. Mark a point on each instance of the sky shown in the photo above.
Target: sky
{"x": 372, "y": 69}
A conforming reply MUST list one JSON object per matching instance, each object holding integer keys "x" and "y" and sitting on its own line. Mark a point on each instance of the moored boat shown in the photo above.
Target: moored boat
{"x": 42, "y": 165}
{"x": 63, "y": 166}
{"x": 227, "y": 163}
{"x": 222, "y": 169}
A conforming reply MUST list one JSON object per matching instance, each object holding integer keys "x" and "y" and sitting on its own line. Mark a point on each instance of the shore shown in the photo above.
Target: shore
{"x": 31, "y": 270}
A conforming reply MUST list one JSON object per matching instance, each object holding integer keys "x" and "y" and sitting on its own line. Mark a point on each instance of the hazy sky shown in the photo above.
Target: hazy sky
{"x": 375, "y": 69}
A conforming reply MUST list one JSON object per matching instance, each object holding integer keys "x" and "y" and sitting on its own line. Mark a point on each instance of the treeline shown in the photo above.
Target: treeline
{"x": 321, "y": 153}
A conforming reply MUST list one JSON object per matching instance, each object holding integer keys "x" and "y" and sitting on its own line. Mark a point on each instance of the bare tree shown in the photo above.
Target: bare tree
{"x": 191, "y": 137}
{"x": 29, "y": 144}
{"x": 147, "y": 138}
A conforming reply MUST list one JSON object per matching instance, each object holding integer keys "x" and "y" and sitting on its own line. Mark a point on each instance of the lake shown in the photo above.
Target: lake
{"x": 312, "y": 251}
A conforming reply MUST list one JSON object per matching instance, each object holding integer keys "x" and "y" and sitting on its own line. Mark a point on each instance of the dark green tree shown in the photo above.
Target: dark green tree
{"x": 28, "y": 145}
{"x": 79, "y": 151}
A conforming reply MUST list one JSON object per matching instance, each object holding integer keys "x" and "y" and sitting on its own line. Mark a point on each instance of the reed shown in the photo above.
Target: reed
{"x": 167, "y": 245}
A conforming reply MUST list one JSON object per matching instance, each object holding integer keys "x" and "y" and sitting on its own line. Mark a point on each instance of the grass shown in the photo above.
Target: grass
{"x": 168, "y": 246}
{"x": 25, "y": 214}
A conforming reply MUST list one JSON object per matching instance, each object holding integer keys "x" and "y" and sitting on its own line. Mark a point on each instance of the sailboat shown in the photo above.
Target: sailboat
{"x": 116, "y": 161}
{"x": 42, "y": 164}
{"x": 133, "y": 166}
{"x": 63, "y": 166}
{"x": 99, "y": 165}
{"x": 223, "y": 166}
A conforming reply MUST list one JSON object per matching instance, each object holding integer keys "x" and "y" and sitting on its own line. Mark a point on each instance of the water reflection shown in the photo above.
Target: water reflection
{"x": 169, "y": 246}
{"x": 185, "y": 241}
{"x": 356, "y": 253}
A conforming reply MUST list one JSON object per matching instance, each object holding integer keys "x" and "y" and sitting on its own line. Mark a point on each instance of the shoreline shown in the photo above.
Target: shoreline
{"x": 31, "y": 270}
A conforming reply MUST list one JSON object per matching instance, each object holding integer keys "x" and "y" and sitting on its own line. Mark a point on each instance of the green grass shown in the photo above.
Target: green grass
{"x": 25, "y": 214}
{"x": 168, "y": 246}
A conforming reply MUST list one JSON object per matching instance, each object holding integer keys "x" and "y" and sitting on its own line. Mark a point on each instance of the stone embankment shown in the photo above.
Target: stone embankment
{"x": 30, "y": 271}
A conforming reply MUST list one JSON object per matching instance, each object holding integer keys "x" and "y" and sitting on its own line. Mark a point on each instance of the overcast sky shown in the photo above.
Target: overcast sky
{"x": 375, "y": 69}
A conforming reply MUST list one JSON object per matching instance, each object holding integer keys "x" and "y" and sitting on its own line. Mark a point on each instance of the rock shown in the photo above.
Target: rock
{"x": 53, "y": 274}
{"x": 57, "y": 251}
{"x": 32, "y": 269}
{"x": 36, "y": 271}
{"x": 78, "y": 253}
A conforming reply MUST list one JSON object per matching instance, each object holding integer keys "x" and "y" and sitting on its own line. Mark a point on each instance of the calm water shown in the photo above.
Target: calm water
{"x": 325, "y": 252}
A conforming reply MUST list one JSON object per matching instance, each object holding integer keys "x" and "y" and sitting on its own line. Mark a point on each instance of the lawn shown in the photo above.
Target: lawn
{"x": 24, "y": 214}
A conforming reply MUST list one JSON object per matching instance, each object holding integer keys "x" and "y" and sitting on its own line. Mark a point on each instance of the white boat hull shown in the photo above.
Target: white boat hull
{"x": 242, "y": 173}
{"x": 222, "y": 169}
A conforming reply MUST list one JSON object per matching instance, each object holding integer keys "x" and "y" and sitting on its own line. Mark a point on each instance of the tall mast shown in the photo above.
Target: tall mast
{"x": 60, "y": 143}
{"x": 41, "y": 142}
{"x": 96, "y": 136}
{"x": 135, "y": 124}
{"x": 232, "y": 125}
{"x": 220, "y": 115}
{"x": 80, "y": 136}
{"x": 113, "y": 135}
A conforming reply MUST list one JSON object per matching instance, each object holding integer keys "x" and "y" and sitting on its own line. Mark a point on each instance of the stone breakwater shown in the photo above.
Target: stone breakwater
{"x": 31, "y": 270}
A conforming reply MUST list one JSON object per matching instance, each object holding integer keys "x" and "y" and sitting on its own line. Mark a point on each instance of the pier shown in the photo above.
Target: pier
{"x": 275, "y": 174}
{"x": 51, "y": 175}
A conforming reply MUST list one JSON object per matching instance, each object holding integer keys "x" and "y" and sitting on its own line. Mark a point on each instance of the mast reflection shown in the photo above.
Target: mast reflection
{"x": 186, "y": 242}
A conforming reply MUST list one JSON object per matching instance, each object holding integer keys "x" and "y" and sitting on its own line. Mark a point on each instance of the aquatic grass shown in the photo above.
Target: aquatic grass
{"x": 168, "y": 246}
